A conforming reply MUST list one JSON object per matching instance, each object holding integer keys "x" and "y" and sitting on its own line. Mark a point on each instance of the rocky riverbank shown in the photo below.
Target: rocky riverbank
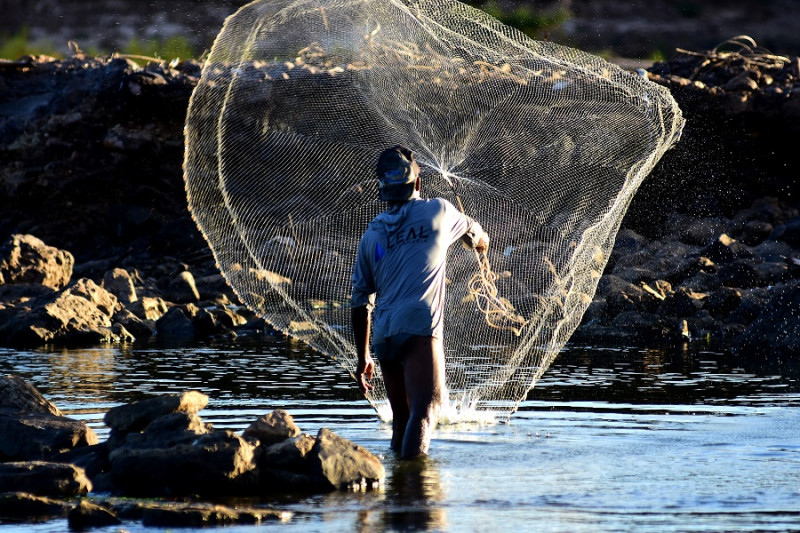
{"x": 100, "y": 247}
{"x": 54, "y": 466}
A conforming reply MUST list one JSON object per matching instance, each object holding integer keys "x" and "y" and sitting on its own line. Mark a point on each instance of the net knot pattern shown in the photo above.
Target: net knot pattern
{"x": 542, "y": 144}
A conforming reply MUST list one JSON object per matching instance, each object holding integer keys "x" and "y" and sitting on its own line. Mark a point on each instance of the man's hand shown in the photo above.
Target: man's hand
{"x": 483, "y": 244}
{"x": 364, "y": 371}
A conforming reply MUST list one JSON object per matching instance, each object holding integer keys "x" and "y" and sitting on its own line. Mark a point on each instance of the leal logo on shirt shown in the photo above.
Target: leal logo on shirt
{"x": 408, "y": 236}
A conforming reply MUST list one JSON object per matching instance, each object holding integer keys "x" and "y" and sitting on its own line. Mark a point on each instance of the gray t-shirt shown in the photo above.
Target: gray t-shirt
{"x": 401, "y": 260}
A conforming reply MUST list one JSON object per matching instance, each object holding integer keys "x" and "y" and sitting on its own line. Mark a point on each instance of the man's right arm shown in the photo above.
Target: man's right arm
{"x": 361, "y": 318}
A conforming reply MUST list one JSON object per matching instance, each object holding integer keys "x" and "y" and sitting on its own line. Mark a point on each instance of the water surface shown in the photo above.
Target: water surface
{"x": 609, "y": 440}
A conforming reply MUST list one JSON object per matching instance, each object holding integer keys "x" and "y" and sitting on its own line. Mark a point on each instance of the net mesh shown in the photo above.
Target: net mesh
{"x": 542, "y": 144}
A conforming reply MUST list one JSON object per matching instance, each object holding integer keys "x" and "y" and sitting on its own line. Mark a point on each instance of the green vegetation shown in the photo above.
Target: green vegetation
{"x": 20, "y": 44}
{"x": 174, "y": 47}
{"x": 533, "y": 23}
{"x": 15, "y": 46}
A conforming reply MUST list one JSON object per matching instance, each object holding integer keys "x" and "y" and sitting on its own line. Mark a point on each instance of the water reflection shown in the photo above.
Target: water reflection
{"x": 663, "y": 376}
{"x": 415, "y": 491}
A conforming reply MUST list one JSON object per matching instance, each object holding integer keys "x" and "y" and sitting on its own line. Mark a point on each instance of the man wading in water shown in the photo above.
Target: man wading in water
{"x": 401, "y": 259}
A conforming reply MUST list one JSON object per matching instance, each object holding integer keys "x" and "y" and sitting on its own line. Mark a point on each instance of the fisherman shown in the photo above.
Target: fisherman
{"x": 401, "y": 261}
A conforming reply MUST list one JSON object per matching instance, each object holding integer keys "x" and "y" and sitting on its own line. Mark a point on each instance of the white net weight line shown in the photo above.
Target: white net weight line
{"x": 543, "y": 145}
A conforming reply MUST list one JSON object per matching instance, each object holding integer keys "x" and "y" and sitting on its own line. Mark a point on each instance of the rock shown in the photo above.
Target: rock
{"x": 636, "y": 275}
{"x": 21, "y": 293}
{"x": 773, "y": 273}
{"x": 741, "y": 274}
{"x": 136, "y": 416}
{"x": 741, "y": 82}
{"x": 205, "y": 323}
{"x": 140, "y": 329}
{"x": 228, "y": 318}
{"x": 119, "y": 283}
{"x": 703, "y": 326}
{"x": 337, "y": 463}
{"x": 788, "y": 232}
{"x": 681, "y": 303}
{"x": 776, "y": 331}
{"x": 182, "y": 289}
{"x": 79, "y": 314}
{"x": 773, "y": 251}
{"x": 44, "y": 479}
{"x": 721, "y": 302}
{"x": 93, "y": 459}
{"x": 688, "y": 268}
{"x": 703, "y": 231}
{"x": 701, "y": 282}
{"x": 273, "y": 427}
{"x": 753, "y": 301}
{"x": 725, "y": 249}
{"x": 218, "y": 463}
{"x": 149, "y": 308}
{"x": 754, "y": 232}
{"x": 24, "y": 507}
{"x": 26, "y": 259}
{"x": 289, "y": 454}
{"x": 167, "y": 431}
{"x": 626, "y": 243}
{"x": 200, "y": 515}
{"x": 175, "y": 324}
{"x": 622, "y": 296}
{"x": 18, "y": 395}
{"x": 87, "y": 515}
{"x": 213, "y": 287}
{"x": 29, "y": 436}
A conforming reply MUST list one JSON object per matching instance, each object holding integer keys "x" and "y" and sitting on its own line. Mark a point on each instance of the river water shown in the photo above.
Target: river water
{"x": 609, "y": 440}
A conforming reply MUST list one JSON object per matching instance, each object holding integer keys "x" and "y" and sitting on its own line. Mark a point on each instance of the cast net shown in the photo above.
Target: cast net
{"x": 543, "y": 145}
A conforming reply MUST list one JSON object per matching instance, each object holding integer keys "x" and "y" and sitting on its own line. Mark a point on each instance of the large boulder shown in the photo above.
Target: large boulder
{"x": 79, "y": 314}
{"x": 138, "y": 415}
{"x": 26, "y": 259}
{"x": 119, "y": 282}
{"x": 217, "y": 463}
{"x": 338, "y": 463}
{"x": 44, "y": 479}
{"x": 16, "y": 393}
{"x": 31, "y": 436}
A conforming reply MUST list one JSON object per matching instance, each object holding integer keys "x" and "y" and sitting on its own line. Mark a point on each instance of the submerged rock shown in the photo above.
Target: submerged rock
{"x": 207, "y": 515}
{"x": 88, "y": 515}
{"x": 44, "y": 479}
{"x": 23, "y": 506}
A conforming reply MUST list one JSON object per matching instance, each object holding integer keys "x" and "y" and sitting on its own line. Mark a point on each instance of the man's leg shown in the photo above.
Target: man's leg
{"x": 425, "y": 385}
{"x": 394, "y": 381}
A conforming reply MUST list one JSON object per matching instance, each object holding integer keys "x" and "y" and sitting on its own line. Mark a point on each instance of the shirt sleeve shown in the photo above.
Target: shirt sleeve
{"x": 461, "y": 226}
{"x": 363, "y": 280}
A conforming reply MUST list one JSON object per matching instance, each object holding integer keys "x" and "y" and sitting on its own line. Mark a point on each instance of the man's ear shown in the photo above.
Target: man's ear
{"x": 417, "y": 184}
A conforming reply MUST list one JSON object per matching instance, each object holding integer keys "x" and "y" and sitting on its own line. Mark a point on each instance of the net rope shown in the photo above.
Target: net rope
{"x": 544, "y": 145}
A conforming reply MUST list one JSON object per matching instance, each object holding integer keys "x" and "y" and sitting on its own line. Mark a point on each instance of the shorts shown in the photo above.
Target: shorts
{"x": 390, "y": 350}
